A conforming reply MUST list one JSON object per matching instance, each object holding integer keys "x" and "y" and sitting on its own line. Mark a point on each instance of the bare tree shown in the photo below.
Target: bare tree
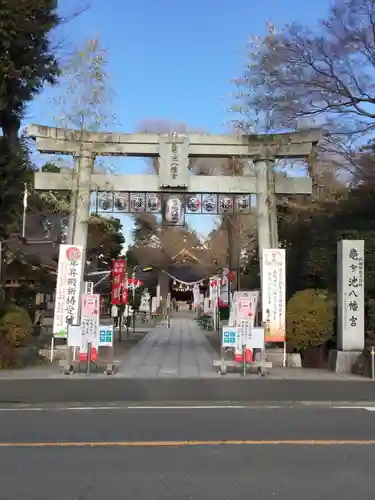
{"x": 82, "y": 103}
{"x": 314, "y": 78}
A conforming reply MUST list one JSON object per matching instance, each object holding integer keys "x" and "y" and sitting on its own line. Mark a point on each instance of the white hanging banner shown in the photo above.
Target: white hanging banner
{"x": 68, "y": 286}
{"x": 154, "y": 305}
{"x": 196, "y": 295}
{"x": 157, "y": 296}
{"x": 274, "y": 294}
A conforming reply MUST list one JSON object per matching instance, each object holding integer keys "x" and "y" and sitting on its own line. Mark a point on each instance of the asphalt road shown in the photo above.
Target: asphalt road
{"x": 112, "y": 389}
{"x": 187, "y": 453}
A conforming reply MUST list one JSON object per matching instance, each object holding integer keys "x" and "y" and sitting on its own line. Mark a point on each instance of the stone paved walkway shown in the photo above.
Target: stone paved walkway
{"x": 179, "y": 351}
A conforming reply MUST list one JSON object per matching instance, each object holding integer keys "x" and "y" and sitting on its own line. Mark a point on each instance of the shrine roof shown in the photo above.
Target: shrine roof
{"x": 185, "y": 253}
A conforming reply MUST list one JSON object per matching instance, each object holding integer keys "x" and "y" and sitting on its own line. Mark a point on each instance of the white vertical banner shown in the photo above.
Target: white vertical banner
{"x": 224, "y": 289}
{"x": 274, "y": 294}
{"x": 67, "y": 289}
{"x": 196, "y": 295}
{"x": 351, "y": 295}
{"x": 154, "y": 305}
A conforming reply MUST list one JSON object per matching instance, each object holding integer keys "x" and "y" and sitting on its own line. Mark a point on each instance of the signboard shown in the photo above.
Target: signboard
{"x": 106, "y": 336}
{"x": 254, "y": 338}
{"x": 68, "y": 286}
{"x": 350, "y": 295}
{"x": 229, "y": 336}
{"x": 74, "y": 336}
{"x": 273, "y": 294}
{"x": 90, "y": 326}
{"x": 243, "y": 306}
{"x": 243, "y": 332}
{"x": 118, "y": 271}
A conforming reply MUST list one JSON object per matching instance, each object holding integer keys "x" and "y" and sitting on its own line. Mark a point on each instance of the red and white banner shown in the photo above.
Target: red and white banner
{"x": 68, "y": 286}
{"x": 90, "y": 326}
{"x": 118, "y": 271}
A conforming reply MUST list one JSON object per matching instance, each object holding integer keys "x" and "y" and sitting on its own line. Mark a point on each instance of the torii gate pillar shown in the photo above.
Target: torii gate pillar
{"x": 81, "y": 197}
{"x": 264, "y": 210}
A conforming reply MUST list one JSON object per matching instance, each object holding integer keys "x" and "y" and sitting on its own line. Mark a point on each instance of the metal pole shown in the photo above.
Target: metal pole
{"x": 372, "y": 363}
{"x": 24, "y": 211}
{"x": 133, "y": 292}
{"x": 120, "y": 327}
{"x": 88, "y": 359}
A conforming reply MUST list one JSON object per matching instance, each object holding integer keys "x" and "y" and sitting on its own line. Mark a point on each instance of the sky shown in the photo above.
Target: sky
{"x": 171, "y": 60}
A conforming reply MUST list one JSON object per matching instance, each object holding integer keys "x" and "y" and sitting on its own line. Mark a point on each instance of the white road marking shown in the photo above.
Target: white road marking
{"x": 182, "y": 407}
{"x": 354, "y": 407}
{"x": 22, "y": 409}
{"x": 187, "y": 407}
{"x": 134, "y": 407}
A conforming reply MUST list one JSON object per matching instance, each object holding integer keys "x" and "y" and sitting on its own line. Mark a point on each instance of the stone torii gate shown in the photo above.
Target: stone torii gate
{"x": 174, "y": 151}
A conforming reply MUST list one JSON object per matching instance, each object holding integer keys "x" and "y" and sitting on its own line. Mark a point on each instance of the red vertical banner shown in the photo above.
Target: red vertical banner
{"x": 118, "y": 270}
{"x": 125, "y": 289}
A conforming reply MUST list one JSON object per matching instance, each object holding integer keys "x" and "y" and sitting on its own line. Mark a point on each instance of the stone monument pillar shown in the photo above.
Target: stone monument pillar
{"x": 350, "y": 303}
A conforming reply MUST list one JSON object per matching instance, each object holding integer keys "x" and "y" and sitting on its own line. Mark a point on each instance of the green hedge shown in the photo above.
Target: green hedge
{"x": 310, "y": 319}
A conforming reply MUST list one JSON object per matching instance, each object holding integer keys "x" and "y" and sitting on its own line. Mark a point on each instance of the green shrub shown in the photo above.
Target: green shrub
{"x": 370, "y": 322}
{"x": 16, "y": 326}
{"x": 309, "y": 319}
{"x": 15, "y": 332}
